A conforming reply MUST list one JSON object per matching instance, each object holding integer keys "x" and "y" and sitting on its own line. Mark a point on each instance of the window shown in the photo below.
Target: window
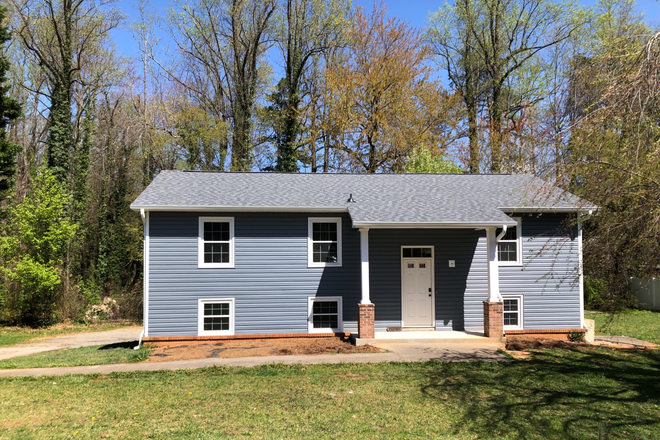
{"x": 325, "y": 314}
{"x": 216, "y": 316}
{"x": 417, "y": 252}
{"x": 216, "y": 242}
{"x": 324, "y": 242}
{"x": 509, "y": 248}
{"x": 513, "y": 318}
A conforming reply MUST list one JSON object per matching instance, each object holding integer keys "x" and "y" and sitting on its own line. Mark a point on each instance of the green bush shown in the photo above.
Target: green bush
{"x": 594, "y": 293}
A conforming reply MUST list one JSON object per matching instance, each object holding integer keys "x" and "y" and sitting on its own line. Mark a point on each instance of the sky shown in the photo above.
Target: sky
{"x": 415, "y": 12}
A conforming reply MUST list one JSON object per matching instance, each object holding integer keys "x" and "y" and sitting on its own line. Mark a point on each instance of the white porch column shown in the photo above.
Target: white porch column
{"x": 364, "y": 260}
{"x": 493, "y": 268}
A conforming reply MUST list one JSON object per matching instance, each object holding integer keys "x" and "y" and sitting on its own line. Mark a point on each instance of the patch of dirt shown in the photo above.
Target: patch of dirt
{"x": 173, "y": 351}
{"x": 522, "y": 343}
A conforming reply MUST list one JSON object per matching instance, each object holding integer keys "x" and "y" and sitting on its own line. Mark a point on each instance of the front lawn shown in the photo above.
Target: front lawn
{"x": 18, "y": 335}
{"x": 640, "y": 324}
{"x": 121, "y": 353}
{"x": 593, "y": 393}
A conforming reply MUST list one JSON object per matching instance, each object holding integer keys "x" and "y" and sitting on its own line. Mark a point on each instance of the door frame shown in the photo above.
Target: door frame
{"x": 401, "y": 259}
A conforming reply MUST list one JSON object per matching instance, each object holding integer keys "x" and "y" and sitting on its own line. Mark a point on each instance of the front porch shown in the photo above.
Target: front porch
{"x": 452, "y": 263}
{"x": 411, "y": 336}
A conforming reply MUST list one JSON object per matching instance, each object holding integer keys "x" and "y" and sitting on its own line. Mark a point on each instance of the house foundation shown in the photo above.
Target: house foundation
{"x": 493, "y": 319}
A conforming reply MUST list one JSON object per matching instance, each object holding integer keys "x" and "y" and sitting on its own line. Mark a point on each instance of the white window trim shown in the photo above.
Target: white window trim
{"x": 519, "y": 245}
{"x": 200, "y": 316}
{"x": 200, "y": 243}
{"x": 310, "y": 310}
{"x": 310, "y": 242}
{"x": 520, "y": 312}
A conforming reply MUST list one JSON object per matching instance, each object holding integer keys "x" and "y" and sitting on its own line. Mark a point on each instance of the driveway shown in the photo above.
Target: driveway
{"x": 124, "y": 334}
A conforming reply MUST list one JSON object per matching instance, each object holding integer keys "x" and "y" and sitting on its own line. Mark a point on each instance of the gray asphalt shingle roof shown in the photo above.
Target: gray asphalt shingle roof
{"x": 379, "y": 198}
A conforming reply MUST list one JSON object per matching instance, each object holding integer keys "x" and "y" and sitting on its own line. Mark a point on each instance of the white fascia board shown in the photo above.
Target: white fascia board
{"x": 423, "y": 225}
{"x": 240, "y": 208}
{"x": 546, "y": 209}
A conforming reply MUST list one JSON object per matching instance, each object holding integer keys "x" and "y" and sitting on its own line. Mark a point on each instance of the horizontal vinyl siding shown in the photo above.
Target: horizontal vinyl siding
{"x": 270, "y": 282}
{"x": 450, "y": 283}
{"x": 548, "y": 277}
{"x": 476, "y": 290}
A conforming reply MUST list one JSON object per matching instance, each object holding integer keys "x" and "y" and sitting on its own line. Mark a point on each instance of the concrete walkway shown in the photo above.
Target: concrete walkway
{"x": 124, "y": 334}
{"x": 399, "y": 352}
{"x": 624, "y": 340}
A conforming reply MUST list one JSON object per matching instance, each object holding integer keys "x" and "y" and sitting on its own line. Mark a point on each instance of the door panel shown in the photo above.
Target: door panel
{"x": 417, "y": 295}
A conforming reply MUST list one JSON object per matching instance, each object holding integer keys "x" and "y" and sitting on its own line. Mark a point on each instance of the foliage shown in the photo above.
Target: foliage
{"x": 422, "y": 160}
{"x": 10, "y": 110}
{"x": 594, "y": 292}
{"x": 121, "y": 353}
{"x": 554, "y": 395}
{"x": 34, "y": 247}
{"x": 382, "y": 96}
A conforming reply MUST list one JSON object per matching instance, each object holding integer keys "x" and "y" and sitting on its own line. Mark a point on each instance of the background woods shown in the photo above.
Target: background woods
{"x": 545, "y": 87}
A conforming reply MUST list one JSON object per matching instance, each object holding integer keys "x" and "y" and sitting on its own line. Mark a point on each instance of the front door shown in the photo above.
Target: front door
{"x": 417, "y": 286}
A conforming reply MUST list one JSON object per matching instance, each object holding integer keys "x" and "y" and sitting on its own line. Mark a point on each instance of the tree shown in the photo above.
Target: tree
{"x": 10, "y": 110}
{"x": 307, "y": 29}
{"x": 422, "y": 160}
{"x": 59, "y": 34}
{"x": 495, "y": 39}
{"x": 34, "y": 247}
{"x": 381, "y": 95}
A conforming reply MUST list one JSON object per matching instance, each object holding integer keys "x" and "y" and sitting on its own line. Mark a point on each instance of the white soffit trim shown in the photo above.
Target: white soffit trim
{"x": 444, "y": 225}
{"x": 242, "y": 208}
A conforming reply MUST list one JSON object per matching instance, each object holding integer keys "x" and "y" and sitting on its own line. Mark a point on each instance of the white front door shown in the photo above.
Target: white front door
{"x": 417, "y": 285}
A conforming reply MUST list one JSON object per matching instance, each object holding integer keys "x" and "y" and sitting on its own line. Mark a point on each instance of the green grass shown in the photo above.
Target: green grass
{"x": 593, "y": 393}
{"x": 640, "y": 324}
{"x": 95, "y": 355}
{"x": 18, "y": 335}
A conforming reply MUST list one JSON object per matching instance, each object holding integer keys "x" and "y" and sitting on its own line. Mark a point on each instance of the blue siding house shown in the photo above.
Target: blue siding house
{"x": 254, "y": 254}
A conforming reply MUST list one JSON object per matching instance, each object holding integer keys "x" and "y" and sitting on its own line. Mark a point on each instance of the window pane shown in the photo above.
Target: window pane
{"x": 324, "y": 231}
{"x": 216, "y": 323}
{"x": 407, "y": 252}
{"x": 216, "y": 253}
{"x": 216, "y": 309}
{"x": 325, "y": 321}
{"x": 510, "y": 305}
{"x": 325, "y": 253}
{"x": 507, "y": 251}
{"x": 417, "y": 252}
{"x": 511, "y": 318}
{"x": 325, "y": 307}
{"x": 216, "y": 231}
{"x": 426, "y": 252}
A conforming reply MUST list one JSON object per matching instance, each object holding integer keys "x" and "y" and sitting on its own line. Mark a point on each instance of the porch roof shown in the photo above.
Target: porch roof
{"x": 379, "y": 200}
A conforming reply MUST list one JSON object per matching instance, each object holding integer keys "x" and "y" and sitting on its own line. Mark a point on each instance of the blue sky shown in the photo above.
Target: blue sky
{"x": 415, "y": 12}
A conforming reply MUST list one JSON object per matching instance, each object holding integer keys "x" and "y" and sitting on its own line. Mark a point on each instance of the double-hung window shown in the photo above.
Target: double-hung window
{"x": 216, "y": 242}
{"x": 324, "y": 242}
{"x": 325, "y": 314}
{"x": 216, "y": 316}
{"x": 513, "y": 313}
{"x": 509, "y": 248}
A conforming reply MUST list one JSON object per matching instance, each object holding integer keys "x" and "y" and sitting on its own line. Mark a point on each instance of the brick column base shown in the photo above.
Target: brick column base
{"x": 366, "y": 321}
{"x": 493, "y": 319}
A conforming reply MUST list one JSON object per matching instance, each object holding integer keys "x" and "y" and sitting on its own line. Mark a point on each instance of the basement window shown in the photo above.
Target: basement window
{"x": 325, "y": 314}
{"x": 216, "y": 316}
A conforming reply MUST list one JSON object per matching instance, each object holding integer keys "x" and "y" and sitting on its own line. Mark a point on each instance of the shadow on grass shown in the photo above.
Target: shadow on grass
{"x": 129, "y": 344}
{"x": 580, "y": 393}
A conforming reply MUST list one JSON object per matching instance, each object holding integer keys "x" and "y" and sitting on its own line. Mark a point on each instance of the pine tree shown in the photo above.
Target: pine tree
{"x": 10, "y": 109}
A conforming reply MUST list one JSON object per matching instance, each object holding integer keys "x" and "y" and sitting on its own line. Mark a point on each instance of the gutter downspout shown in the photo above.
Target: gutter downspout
{"x": 145, "y": 261}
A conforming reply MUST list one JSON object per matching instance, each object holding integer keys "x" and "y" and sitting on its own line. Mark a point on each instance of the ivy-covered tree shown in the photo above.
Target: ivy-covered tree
{"x": 10, "y": 109}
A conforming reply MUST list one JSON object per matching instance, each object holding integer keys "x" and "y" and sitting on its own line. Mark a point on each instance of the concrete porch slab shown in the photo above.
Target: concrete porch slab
{"x": 435, "y": 337}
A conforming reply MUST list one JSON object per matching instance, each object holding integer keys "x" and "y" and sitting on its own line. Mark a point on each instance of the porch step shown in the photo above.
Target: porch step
{"x": 434, "y": 337}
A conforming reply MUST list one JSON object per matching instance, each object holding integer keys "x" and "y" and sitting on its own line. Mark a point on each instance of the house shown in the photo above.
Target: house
{"x": 248, "y": 254}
